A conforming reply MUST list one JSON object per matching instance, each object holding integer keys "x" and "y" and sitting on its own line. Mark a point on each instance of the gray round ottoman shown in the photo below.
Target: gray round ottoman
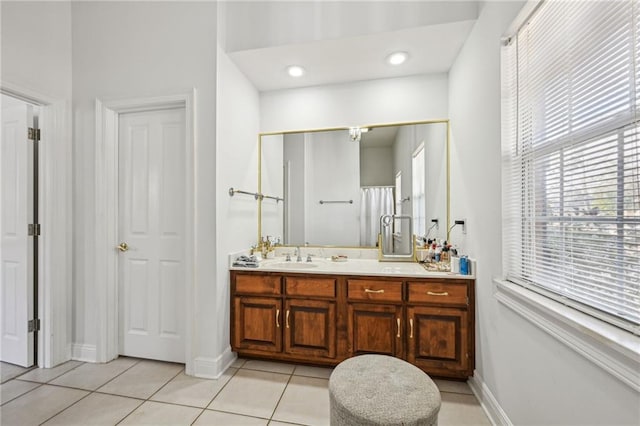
{"x": 382, "y": 390}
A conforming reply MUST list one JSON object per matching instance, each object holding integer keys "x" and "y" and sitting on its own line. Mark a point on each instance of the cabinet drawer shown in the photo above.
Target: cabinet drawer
{"x": 441, "y": 292}
{"x": 384, "y": 291}
{"x": 258, "y": 284}
{"x": 314, "y": 287}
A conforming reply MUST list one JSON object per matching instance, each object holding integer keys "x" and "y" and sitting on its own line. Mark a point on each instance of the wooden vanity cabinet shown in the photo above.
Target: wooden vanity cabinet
{"x": 438, "y": 340}
{"x": 297, "y": 325}
{"x": 375, "y": 328}
{"x": 440, "y": 337}
{"x": 322, "y": 319}
{"x": 375, "y": 317}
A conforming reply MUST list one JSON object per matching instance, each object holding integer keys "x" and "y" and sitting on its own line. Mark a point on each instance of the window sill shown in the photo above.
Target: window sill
{"x": 614, "y": 350}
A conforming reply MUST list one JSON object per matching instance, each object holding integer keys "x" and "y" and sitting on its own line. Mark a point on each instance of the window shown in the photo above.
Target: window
{"x": 398, "y": 200}
{"x": 398, "y": 194}
{"x": 418, "y": 196}
{"x": 571, "y": 151}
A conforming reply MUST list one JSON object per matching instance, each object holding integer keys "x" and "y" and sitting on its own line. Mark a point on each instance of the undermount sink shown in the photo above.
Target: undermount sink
{"x": 291, "y": 265}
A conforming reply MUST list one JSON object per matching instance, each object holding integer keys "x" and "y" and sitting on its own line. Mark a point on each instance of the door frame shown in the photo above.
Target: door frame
{"x": 55, "y": 217}
{"x": 106, "y": 216}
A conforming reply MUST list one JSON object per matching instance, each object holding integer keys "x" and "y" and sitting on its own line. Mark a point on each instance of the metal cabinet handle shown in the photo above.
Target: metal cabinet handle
{"x": 366, "y": 290}
{"x": 398, "y": 322}
{"x": 123, "y": 247}
{"x": 444, "y": 293}
{"x": 411, "y": 328}
{"x": 287, "y": 318}
{"x": 278, "y": 318}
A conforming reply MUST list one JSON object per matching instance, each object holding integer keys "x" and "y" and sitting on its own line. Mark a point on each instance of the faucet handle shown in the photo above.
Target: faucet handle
{"x": 309, "y": 257}
{"x": 288, "y": 258}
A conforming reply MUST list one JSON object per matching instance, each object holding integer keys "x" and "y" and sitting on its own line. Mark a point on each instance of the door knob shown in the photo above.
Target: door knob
{"x": 123, "y": 247}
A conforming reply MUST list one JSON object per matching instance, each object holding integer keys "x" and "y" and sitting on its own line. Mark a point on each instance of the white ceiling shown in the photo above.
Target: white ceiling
{"x": 431, "y": 48}
{"x": 378, "y": 137}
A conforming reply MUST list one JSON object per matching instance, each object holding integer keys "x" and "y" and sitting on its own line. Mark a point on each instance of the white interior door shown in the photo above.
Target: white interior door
{"x": 16, "y": 247}
{"x": 152, "y": 225}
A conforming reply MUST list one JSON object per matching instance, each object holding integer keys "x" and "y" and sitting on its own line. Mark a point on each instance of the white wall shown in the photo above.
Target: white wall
{"x": 376, "y": 166}
{"x": 389, "y": 100}
{"x": 138, "y": 49}
{"x": 236, "y": 166}
{"x": 273, "y": 185}
{"x": 535, "y": 378}
{"x": 332, "y": 173}
{"x": 36, "y": 61}
{"x": 435, "y": 146}
{"x": 36, "y": 46}
{"x": 294, "y": 154}
{"x": 403, "y": 148}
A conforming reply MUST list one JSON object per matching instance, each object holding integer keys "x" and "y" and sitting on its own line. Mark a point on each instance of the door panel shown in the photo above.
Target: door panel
{"x": 257, "y": 323}
{"x": 310, "y": 328}
{"x": 16, "y": 248}
{"x": 375, "y": 329}
{"x": 152, "y": 224}
{"x": 436, "y": 338}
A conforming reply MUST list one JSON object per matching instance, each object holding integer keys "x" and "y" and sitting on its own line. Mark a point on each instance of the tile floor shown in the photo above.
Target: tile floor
{"x": 130, "y": 391}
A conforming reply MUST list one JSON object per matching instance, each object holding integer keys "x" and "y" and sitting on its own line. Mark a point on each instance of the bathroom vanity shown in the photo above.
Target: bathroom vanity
{"x": 325, "y": 312}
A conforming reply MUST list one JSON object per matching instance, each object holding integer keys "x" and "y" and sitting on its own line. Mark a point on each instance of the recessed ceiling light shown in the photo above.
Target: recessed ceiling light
{"x": 295, "y": 71}
{"x": 397, "y": 58}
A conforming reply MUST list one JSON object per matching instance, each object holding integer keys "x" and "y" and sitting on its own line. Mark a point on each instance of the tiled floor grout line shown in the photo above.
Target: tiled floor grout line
{"x": 118, "y": 375}
{"x": 151, "y": 396}
{"x": 281, "y": 395}
{"x": 217, "y": 393}
{"x": 28, "y": 369}
{"x": 22, "y": 394}
{"x": 90, "y": 392}
{"x": 40, "y": 384}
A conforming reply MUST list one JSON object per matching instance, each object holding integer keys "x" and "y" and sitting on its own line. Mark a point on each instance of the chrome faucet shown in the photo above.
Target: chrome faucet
{"x": 299, "y": 253}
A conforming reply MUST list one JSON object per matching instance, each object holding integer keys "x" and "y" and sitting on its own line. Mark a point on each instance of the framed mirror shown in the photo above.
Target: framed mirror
{"x": 337, "y": 183}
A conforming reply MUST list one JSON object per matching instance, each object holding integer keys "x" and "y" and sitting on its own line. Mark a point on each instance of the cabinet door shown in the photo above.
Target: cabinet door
{"x": 438, "y": 339}
{"x": 310, "y": 328}
{"x": 375, "y": 329}
{"x": 257, "y": 324}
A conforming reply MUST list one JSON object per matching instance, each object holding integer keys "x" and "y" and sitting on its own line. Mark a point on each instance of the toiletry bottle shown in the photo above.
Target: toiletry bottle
{"x": 455, "y": 264}
{"x": 464, "y": 265}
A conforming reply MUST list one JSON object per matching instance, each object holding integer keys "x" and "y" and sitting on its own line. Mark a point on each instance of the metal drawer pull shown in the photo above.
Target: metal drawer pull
{"x": 444, "y": 293}
{"x": 398, "y": 321}
{"x": 287, "y": 320}
{"x": 411, "y": 328}
{"x": 366, "y": 290}
{"x": 278, "y": 318}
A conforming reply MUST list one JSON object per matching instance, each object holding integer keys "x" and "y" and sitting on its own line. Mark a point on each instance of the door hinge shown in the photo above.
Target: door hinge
{"x": 34, "y": 134}
{"x": 34, "y": 229}
{"x": 33, "y": 325}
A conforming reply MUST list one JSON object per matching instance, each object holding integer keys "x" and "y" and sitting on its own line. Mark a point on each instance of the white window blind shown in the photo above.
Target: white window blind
{"x": 571, "y": 157}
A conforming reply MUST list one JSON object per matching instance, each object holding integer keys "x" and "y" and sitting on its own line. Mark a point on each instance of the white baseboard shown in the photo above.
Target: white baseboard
{"x": 85, "y": 353}
{"x": 212, "y": 368}
{"x": 489, "y": 403}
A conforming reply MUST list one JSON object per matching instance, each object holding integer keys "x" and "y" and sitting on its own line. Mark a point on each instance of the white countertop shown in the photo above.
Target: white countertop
{"x": 351, "y": 267}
